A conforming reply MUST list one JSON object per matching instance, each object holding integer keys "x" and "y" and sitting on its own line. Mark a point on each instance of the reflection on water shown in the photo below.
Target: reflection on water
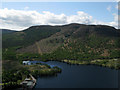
{"x": 37, "y": 62}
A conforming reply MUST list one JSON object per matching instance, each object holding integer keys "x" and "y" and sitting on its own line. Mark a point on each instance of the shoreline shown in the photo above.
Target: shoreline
{"x": 113, "y": 63}
{"x": 104, "y": 63}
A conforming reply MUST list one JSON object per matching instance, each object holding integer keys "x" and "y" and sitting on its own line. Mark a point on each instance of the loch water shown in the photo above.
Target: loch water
{"x": 79, "y": 76}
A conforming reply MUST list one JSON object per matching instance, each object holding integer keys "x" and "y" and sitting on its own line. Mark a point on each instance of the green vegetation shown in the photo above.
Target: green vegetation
{"x": 12, "y": 77}
{"x": 28, "y": 36}
{"x": 111, "y": 63}
{"x": 46, "y": 71}
{"x": 73, "y": 44}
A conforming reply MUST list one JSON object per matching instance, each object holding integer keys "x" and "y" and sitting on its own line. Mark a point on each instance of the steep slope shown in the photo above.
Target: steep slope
{"x": 73, "y": 41}
{"x": 90, "y": 35}
{"x": 89, "y": 42}
{"x": 46, "y": 45}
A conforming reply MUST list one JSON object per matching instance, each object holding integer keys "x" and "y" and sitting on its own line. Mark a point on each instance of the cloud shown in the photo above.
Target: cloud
{"x": 21, "y": 19}
{"x": 109, "y": 8}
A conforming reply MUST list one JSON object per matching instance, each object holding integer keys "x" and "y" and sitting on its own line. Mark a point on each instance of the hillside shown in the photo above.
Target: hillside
{"x": 72, "y": 42}
{"x": 27, "y": 37}
{"x": 89, "y": 35}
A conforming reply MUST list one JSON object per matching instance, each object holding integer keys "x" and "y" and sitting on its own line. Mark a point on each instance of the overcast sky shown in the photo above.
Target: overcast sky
{"x": 21, "y": 15}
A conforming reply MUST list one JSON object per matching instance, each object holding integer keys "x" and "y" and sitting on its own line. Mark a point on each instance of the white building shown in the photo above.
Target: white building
{"x": 26, "y": 62}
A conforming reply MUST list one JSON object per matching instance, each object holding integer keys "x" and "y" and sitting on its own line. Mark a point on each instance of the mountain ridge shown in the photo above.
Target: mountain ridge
{"x": 79, "y": 39}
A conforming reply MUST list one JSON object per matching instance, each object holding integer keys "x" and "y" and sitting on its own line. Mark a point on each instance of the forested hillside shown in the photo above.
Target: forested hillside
{"x": 71, "y": 42}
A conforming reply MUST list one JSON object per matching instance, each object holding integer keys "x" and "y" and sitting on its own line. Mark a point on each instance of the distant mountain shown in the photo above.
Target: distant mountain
{"x": 5, "y": 31}
{"x": 71, "y": 41}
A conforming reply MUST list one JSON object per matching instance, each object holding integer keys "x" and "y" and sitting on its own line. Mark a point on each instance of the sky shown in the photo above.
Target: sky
{"x": 21, "y": 15}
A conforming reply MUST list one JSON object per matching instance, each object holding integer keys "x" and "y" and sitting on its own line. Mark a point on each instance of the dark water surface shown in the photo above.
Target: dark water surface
{"x": 79, "y": 76}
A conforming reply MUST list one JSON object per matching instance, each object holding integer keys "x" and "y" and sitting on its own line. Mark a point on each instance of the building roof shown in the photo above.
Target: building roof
{"x": 27, "y": 79}
{"x": 29, "y": 83}
{"x": 26, "y": 61}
